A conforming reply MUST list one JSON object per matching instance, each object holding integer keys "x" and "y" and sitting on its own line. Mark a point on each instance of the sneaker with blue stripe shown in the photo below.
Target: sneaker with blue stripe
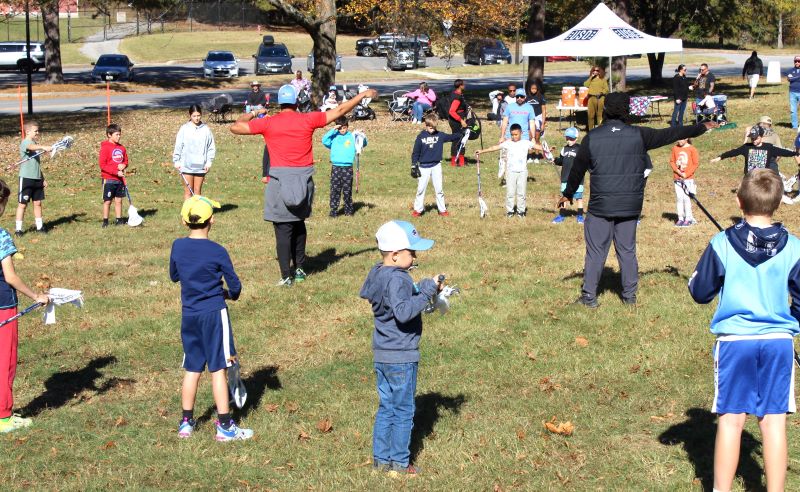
{"x": 233, "y": 433}
{"x": 186, "y": 428}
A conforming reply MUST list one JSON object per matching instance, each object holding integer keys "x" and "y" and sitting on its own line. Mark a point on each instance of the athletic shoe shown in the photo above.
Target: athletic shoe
{"x": 104, "y": 225}
{"x": 234, "y": 433}
{"x": 333, "y": 214}
{"x": 587, "y": 301}
{"x": 444, "y": 214}
{"x": 414, "y": 213}
{"x": 299, "y": 275}
{"x": 41, "y": 231}
{"x": 509, "y": 214}
{"x": 13, "y": 423}
{"x": 579, "y": 219}
{"x": 522, "y": 214}
{"x": 381, "y": 467}
{"x": 186, "y": 428}
{"x": 689, "y": 222}
{"x": 286, "y": 282}
{"x": 679, "y": 223}
{"x": 19, "y": 233}
{"x": 559, "y": 219}
{"x": 630, "y": 301}
{"x": 120, "y": 221}
{"x": 409, "y": 470}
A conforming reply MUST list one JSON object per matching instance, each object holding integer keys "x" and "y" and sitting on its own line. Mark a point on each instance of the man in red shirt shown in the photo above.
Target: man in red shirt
{"x": 457, "y": 117}
{"x": 289, "y": 193}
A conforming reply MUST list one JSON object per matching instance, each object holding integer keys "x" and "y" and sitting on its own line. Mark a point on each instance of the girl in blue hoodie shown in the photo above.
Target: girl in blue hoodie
{"x": 343, "y": 152}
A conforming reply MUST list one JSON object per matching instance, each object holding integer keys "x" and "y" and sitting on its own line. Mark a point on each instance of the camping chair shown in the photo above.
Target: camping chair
{"x": 719, "y": 113}
{"x": 219, "y": 107}
{"x": 400, "y": 108}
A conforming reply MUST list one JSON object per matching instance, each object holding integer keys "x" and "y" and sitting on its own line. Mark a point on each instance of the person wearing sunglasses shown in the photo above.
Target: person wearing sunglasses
{"x": 521, "y": 113}
{"x": 598, "y": 88}
{"x": 794, "y": 90}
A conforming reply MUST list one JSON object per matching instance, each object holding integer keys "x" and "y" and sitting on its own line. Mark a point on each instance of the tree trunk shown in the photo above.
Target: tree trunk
{"x": 324, "y": 51}
{"x": 656, "y": 61}
{"x": 619, "y": 67}
{"x": 52, "y": 43}
{"x": 535, "y": 33}
{"x": 780, "y": 30}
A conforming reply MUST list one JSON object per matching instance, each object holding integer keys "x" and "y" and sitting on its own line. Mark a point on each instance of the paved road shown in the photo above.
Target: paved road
{"x": 176, "y": 99}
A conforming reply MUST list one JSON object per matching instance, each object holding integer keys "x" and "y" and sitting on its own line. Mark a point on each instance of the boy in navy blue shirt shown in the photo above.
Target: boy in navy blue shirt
{"x": 397, "y": 304}
{"x": 200, "y": 266}
{"x": 754, "y": 266}
{"x": 427, "y": 157}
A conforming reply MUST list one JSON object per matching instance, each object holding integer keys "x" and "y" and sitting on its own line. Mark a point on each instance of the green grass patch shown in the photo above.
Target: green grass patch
{"x": 103, "y": 384}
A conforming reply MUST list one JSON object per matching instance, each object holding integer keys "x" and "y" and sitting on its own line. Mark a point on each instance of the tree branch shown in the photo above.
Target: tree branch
{"x": 306, "y": 22}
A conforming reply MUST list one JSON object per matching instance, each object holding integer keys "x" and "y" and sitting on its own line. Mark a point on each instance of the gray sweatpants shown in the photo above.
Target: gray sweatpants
{"x": 599, "y": 232}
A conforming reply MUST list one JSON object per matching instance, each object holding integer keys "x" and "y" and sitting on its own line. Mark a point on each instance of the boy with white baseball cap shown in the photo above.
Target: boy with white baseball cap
{"x": 397, "y": 305}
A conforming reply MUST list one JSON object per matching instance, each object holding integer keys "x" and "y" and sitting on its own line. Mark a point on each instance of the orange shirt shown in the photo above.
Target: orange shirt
{"x": 686, "y": 155}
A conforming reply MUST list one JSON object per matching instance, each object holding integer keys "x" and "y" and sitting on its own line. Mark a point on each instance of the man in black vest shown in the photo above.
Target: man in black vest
{"x": 615, "y": 154}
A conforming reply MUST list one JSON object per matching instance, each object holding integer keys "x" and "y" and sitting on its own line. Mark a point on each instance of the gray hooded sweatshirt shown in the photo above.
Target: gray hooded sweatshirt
{"x": 397, "y": 305}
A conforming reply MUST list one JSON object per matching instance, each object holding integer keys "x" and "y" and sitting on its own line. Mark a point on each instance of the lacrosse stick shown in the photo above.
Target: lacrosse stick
{"x": 463, "y": 143}
{"x": 359, "y": 138}
{"x": 441, "y": 301}
{"x": 186, "y": 182}
{"x": 62, "y": 144}
{"x": 57, "y": 297}
{"x": 22, "y": 313}
{"x": 481, "y": 203}
{"x": 546, "y": 152}
{"x": 134, "y": 219}
{"x": 236, "y": 386}
{"x": 693, "y": 197}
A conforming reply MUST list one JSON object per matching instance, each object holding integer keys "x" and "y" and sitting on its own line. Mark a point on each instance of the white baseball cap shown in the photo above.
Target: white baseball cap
{"x": 398, "y": 235}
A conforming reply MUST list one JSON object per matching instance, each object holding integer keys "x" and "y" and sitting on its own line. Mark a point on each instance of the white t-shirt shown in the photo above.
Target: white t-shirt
{"x": 517, "y": 153}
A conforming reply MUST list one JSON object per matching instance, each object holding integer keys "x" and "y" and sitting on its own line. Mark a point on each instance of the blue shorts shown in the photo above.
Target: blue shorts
{"x": 754, "y": 374}
{"x": 578, "y": 194}
{"x": 112, "y": 189}
{"x": 207, "y": 339}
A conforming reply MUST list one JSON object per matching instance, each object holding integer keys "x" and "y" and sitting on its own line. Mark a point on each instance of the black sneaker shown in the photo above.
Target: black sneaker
{"x": 105, "y": 224}
{"x": 19, "y": 233}
{"x": 522, "y": 214}
{"x": 41, "y": 231}
{"x": 587, "y": 301}
{"x": 630, "y": 301}
{"x": 120, "y": 222}
{"x": 509, "y": 214}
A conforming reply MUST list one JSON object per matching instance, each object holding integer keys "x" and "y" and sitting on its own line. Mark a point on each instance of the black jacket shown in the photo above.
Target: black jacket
{"x": 752, "y": 66}
{"x": 680, "y": 87}
{"x": 565, "y": 159}
{"x": 615, "y": 154}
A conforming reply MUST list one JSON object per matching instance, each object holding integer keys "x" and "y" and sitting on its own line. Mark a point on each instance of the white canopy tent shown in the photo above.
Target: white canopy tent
{"x": 602, "y": 33}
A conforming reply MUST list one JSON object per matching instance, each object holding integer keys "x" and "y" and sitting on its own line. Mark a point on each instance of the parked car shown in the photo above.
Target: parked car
{"x": 13, "y": 56}
{"x": 220, "y": 64}
{"x": 112, "y": 67}
{"x": 310, "y": 62}
{"x": 401, "y": 55}
{"x": 383, "y": 43}
{"x": 559, "y": 58}
{"x": 485, "y": 51}
{"x": 367, "y": 47}
{"x": 272, "y": 57}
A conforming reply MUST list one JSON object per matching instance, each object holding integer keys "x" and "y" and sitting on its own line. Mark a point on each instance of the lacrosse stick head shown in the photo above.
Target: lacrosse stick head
{"x": 359, "y": 136}
{"x": 134, "y": 219}
{"x": 236, "y": 386}
{"x": 62, "y": 144}
{"x": 484, "y": 208}
{"x": 59, "y": 296}
{"x": 548, "y": 154}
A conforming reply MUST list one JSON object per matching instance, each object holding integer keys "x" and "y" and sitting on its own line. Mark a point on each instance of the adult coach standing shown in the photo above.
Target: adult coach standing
{"x": 753, "y": 69}
{"x": 615, "y": 154}
{"x": 794, "y": 91}
{"x": 289, "y": 193}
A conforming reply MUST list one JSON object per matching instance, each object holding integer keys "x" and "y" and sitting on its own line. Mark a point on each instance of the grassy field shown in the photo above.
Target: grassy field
{"x": 102, "y": 385}
{"x": 184, "y": 46}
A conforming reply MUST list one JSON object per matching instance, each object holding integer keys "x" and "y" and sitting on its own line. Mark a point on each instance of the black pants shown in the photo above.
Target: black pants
{"x": 290, "y": 242}
{"x": 599, "y": 232}
{"x": 456, "y": 129}
{"x": 341, "y": 184}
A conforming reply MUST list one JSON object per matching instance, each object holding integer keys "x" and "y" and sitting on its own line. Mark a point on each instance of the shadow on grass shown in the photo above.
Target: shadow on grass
{"x": 63, "y": 386}
{"x": 321, "y": 261}
{"x": 359, "y": 205}
{"x": 697, "y": 434}
{"x": 226, "y": 207}
{"x": 611, "y": 280}
{"x": 67, "y": 219}
{"x": 147, "y": 212}
{"x": 429, "y": 410}
{"x": 672, "y": 217}
{"x": 257, "y": 384}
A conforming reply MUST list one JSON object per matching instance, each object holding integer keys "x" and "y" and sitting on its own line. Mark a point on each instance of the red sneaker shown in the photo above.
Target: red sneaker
{"x": 444, "y": 214}
{"x": 461, "y": 161}
{"x": 453, "y": 162}
{"x": 414, "y": 213}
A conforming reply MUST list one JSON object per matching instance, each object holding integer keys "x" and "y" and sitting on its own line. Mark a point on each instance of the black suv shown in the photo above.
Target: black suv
{"x": 272, "y": 57}
{"x": 383, "y": 43}
{"x": 401, "y": 55}
{"x": 486, "y": 51}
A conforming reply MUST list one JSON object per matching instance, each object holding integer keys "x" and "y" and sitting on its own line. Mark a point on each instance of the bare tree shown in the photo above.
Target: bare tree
{"x": 535, "y": 33}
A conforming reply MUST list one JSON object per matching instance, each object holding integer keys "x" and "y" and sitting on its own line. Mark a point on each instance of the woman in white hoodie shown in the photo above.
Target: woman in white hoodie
{"x": 194, "y": 151}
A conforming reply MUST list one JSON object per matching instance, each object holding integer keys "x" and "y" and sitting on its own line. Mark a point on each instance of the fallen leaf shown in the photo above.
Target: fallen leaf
{"x": 325, "y": 425}
{"x": 292, "y": 407}
{"x": 120, "y": 421}
{"x": 109, "y": 445}
{"x": 634, "y": 368}
{"x": 530, "y": 355}
{"x": 561, "y": 428}
{"x": 272, "y": 407}
{"x": 521, "y": 434}
{"x": 303, "y": 436}
{"x": 581, "y": 341}
{"x": 497, "y": 488}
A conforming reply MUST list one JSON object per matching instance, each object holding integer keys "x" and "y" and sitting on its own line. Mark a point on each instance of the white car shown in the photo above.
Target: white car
{"x": 13, "y": 55}
{"x": 220, "y": 64}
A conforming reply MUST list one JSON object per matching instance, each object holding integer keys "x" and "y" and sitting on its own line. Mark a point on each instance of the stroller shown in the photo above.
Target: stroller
{"x": 400, "y": 107}
{"x": 304, "y": 102}
{"x": 717, "y": 113}
{"x": 219, "y": 107}
{"x": 362, "y": 111}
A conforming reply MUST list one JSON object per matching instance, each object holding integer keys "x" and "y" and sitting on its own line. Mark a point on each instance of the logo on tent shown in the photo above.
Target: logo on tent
{"x": 581, "y": 34}
{"x": 626, "y": 33}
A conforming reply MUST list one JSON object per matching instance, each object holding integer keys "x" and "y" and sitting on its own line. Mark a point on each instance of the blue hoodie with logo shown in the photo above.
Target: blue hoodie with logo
{"x": 343, "y": 147}
{"x": 755, "y": 271}
{"x": 397, "y": 304}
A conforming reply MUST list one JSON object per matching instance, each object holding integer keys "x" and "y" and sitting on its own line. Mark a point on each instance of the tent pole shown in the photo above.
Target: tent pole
{"x": 610, "y": 76}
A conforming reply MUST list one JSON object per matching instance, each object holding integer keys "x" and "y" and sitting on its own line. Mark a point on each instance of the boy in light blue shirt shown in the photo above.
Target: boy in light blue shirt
{"x": 754, "y": 266}
{"x": 343, "y": 152}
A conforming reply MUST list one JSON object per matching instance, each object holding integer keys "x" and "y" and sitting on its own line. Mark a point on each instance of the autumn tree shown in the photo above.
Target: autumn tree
{"x": 535, "y": 33}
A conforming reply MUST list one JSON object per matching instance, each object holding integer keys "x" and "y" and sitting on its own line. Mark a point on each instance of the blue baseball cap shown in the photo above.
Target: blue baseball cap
{"x": 287, "y": 95}
{"x": 571, "y": 132}
{"x": 398, "y": 235}
{"x": 520, "y": 92}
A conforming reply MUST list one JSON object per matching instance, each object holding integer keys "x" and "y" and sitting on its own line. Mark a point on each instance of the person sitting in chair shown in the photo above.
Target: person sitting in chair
{"x": 256, "y": 99}
{"x": 331, "y": 100}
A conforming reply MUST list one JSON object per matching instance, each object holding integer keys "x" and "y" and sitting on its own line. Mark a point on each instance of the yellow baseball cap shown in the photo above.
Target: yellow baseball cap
{"x": 198, "y": 206}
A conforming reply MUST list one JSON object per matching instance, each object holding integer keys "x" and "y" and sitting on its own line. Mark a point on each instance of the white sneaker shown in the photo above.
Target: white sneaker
{"x": 234, "y": 433}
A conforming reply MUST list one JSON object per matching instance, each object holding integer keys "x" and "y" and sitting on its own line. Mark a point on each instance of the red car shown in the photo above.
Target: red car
{"x": 560, "y": 58}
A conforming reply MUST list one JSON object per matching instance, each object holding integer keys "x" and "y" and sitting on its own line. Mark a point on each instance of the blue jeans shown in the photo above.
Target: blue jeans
{"x": 794, "y": 100}
{"x": 677, "y": 114}
{"x": 419, "y": 108}
{"x": 391, "y": 435}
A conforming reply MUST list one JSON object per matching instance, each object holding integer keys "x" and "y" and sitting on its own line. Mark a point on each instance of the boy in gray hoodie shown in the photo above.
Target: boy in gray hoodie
{"x": 397, "y": 304}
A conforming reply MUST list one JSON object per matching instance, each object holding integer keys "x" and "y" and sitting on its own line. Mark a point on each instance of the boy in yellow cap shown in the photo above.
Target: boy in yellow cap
{"x": 200, "y": 265}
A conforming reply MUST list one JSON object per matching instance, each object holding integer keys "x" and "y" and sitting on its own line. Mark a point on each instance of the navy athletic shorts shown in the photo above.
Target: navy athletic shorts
{"x": 113, "y": 189}
{"x": 207, "y": 340}
{"x": 30, "y": 190}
